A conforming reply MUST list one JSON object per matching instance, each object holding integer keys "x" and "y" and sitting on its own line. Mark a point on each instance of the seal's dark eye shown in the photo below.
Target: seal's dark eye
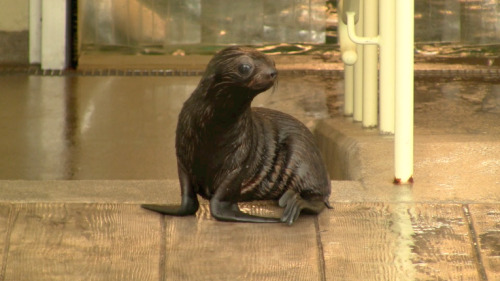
{"x": 244, "y": 68}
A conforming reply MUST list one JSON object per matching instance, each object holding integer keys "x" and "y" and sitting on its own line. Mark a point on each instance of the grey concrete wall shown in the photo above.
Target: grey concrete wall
{"x": 340, "y": 152}
{"x": 14, "y": 35}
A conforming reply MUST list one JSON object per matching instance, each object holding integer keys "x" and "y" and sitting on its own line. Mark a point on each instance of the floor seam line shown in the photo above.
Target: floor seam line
{"x": 321, "y": 253}
{"x": 163, "y": 249}
{"x": 13, "y": 213}
{"x": 475, "y": 245}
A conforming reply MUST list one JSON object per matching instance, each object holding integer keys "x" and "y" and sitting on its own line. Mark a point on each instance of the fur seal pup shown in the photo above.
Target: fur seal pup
{"x": 228, "y": 152}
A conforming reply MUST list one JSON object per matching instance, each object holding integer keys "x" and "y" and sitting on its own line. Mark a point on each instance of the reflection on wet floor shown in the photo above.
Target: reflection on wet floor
{"x": 111, "y": 127}
{"x": 457, "y": 107}
{"x": 123, "y": 127}
{"x": 90, "y": 128}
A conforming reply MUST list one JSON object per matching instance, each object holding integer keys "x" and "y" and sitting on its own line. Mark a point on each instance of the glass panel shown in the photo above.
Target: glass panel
{"x": 166, "y": 25}
{"x": 156, "y": 23}
{"x": 462, "y": 21}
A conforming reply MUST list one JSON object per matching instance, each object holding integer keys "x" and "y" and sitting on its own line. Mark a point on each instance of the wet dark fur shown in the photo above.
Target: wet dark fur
{"x": 251, "y": 153}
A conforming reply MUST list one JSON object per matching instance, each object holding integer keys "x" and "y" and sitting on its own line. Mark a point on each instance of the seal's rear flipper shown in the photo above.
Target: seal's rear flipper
{"x": 294, "y": 204}
{"x": 228, "y": 211}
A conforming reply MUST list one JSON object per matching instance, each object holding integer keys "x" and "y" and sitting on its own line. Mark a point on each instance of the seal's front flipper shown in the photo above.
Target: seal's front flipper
{"x": 189, "y": 200}
{"x": 294, "y": 204}
{"x": 228, "y": 211}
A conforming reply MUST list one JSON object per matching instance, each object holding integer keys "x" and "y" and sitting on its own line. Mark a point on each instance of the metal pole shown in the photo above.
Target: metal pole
{"x": 370, "y": 67}
{"x": 35, "y": 32}
{"x": 348, "y": 90}
{"x": 387, "y": 13}
{"x": 349, "y": 57}
{"x": 403, "y": 131}
{"x": 358, "y": 70}
{"x": 54, "y": 48}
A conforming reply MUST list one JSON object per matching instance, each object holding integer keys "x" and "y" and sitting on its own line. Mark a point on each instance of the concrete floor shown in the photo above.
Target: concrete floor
{"x": 80, "y": 153}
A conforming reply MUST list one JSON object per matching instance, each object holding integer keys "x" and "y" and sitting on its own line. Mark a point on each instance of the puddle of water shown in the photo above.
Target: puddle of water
{"x": 490, "y": 241}
{"x": 457, "y": 107}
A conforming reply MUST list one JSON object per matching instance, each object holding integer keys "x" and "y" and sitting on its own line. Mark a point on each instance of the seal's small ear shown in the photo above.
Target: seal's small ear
{"x": 207, "y": 82}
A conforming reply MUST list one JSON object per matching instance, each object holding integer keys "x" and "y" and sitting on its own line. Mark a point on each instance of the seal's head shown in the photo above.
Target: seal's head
{"x": 240, "y": 69}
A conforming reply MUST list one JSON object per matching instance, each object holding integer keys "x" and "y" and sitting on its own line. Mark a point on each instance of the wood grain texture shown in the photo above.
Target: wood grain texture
{"x": 377, "y": 241}
{"x": 200, "y": 248}
{"x": 442, "y": 247}
{"x": 486, "y": 219}
{"x": 7, "y": 218}
{"x": 356, "y": 241}
{"x": 83, "y": 242}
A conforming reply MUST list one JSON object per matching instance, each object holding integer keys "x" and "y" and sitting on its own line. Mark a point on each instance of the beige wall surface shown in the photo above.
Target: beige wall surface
{"x": 14, "y": 15}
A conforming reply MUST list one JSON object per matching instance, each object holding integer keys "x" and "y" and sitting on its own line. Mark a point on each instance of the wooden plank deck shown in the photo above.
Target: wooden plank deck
{"x": 486, "y": 219}
{"x": 355, "y": 241}
{"x": 50, "y": 241}
{"x": 377, "y": 241}
{"x": 200, "y": 248}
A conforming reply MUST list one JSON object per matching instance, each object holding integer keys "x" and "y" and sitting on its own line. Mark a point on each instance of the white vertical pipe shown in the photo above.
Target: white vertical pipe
{"x": 35, "y": 31}
{"x": 403, "y": 134}
{"x": 358, "y": 70}
{"x": 370, "y": 65}
{"x": 387, "y": 10}
{"x": 349, "y": 57}
{"x": 348, "y": 90}
{"x": 54, "y": 51}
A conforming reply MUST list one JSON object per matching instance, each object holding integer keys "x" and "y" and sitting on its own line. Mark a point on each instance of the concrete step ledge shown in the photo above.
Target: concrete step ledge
{"x": 448, "y": 168}
{"x": 123, "y": 191}
{"x": 91, "y": 191}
